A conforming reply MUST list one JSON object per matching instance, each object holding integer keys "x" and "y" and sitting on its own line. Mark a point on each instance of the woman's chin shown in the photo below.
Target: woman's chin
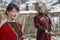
{"x": 14, "y": 18}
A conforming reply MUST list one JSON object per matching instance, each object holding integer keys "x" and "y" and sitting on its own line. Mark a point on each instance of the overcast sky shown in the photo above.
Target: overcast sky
{"x": 23, "y": 1}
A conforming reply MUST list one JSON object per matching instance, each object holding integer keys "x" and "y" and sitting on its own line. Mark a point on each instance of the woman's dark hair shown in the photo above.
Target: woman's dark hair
{"x": 10, "y": 7}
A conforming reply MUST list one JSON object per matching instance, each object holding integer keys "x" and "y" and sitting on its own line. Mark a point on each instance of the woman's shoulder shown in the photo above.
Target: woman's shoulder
{"x": 20, "y": 25}
{"x": 4, "y": 25}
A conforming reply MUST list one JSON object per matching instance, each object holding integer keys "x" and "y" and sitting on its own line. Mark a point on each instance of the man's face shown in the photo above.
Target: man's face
{"x": 42, "y": 10}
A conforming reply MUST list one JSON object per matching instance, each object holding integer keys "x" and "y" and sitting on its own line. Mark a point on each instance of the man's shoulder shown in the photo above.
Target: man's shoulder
{"x": 38, "y": 16}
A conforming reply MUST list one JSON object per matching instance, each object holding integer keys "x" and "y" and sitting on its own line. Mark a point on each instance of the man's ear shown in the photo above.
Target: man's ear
{"x": 40, "y": 10}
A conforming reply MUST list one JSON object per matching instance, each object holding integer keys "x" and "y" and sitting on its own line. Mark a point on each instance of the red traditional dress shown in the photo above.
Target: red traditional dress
{"x": 11, "y": 31}
{"x": 42, "y": 22}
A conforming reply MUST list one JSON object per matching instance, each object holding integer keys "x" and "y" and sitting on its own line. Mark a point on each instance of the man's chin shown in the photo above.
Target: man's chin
{"x": 42, "y": 13}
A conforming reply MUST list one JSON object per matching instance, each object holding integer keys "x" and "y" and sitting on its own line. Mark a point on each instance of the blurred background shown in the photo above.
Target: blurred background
{"x": 27, "y": 12}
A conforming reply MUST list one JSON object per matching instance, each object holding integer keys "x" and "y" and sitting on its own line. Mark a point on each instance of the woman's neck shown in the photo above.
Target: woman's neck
{"x": 10, "y": 20}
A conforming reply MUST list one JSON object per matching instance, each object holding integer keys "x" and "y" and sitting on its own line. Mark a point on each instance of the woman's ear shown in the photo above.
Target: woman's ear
{"x": 6, "y": 12}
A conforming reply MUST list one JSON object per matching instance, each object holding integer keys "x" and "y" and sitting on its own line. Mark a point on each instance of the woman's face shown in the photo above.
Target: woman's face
{"x": 13, "y": 14}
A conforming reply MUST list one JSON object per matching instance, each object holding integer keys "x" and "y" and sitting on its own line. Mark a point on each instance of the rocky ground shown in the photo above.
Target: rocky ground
{"x": 53, "y": 38}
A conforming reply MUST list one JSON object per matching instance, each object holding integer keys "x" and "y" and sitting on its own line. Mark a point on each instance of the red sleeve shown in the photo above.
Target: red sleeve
{"x": 36, "y": 23}
{"x": 20, "y": 27}
{"x": 21, "y": 38}
{"x": 3, "y": 33}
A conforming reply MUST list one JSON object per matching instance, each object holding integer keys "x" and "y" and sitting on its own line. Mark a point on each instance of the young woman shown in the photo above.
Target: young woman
{"x": 11, "y": 30}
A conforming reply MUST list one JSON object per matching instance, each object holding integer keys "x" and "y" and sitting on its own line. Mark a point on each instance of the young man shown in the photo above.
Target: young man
{"x": 43, "y": 25}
